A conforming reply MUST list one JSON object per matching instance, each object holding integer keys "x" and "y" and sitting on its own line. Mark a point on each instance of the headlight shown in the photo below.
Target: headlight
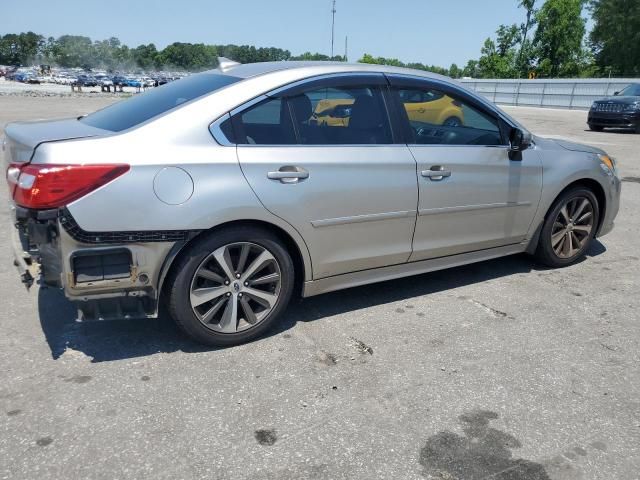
{"x": 633, "y": 107}
{"x": 609, "y": 162}
{"x": 593, "y": 105}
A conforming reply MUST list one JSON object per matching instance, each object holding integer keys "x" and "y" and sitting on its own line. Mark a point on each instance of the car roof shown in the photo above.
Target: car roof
{"x": 249, "y": 70}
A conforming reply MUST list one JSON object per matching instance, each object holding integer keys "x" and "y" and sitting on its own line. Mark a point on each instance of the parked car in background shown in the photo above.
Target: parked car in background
{"x": 28, "y": 77}
{"x": 103, "y": 80}
{"x": 159, "y": 80}
{"x": 134, "y": 82}
{"x": 147, "y": 82}
{"x": 620, "y": 111}
{"x": 119, "y": 80}
{"x": 86, "y": 81}
{"x": 65, "y": 79}
{"x": 216, "y": 194}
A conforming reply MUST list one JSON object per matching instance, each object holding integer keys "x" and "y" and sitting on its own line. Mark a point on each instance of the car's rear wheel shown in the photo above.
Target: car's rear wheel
{"x": 230, "y": 286}
{"x": 569, "y": 228}
{"x": 452, "y": 122}
{"x": 595, "y": 128}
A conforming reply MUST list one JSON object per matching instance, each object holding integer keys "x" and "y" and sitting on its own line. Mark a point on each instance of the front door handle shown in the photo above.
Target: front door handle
{"x": 436, "y": 173}
{"x": 288, "y": 174}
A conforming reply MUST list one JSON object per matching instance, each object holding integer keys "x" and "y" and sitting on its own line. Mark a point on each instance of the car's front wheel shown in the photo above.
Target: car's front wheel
{"x": 231, "y": 285}
{"x": 569, "y": 228}
{"x": 595, "y": 128}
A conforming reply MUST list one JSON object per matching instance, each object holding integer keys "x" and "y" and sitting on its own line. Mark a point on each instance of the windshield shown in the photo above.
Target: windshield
{"x": 631, "y": 91}
{"x": 142, "y": 107}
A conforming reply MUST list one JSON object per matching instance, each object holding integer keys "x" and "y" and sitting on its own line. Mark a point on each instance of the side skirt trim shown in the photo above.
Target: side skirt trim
{"x": 348, "y": 280}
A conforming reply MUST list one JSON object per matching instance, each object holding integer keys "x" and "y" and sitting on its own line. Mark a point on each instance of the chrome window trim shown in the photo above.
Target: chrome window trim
{"x": 492, "y": 110}
{"x": 446, "y": 145}
{"x": 324, "y": 76}
{"x": 277, "y": 91}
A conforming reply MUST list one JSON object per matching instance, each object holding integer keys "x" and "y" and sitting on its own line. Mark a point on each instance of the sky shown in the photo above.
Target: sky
{"x": 434, "y": 32}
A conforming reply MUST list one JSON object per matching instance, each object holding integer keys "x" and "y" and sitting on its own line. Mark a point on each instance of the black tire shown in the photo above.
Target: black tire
{"x": 595, "y": 128}
{"x": 452, "y": 122}
{"x": 638, "y": 128}
{"x": 545, "y": 252}
{"x": 182, "y": 274}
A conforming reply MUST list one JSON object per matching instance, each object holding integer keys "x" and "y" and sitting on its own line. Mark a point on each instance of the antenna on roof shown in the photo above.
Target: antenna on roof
{"x": 224, "y": 64}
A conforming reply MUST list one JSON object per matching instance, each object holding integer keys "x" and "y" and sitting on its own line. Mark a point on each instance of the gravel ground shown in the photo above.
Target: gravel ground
{"x": 498, "y": 370}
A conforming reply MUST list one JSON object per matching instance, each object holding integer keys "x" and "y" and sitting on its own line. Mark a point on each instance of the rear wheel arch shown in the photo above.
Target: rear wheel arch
{"x": 301, "y": 268}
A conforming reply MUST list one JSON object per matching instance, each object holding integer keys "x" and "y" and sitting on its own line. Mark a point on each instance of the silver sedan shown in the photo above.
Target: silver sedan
{"x": 226, "y": 193}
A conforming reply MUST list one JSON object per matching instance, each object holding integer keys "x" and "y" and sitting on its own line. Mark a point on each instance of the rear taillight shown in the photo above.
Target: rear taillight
{"x": 53, "y": 186}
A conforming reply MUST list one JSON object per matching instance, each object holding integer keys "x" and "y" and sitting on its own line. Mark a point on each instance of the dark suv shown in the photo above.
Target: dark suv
{"x": 620, "y": 111}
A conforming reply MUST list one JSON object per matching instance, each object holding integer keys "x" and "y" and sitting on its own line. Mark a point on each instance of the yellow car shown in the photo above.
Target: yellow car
{"x": 333, "y": 112}
{"x": 432, "y": 107}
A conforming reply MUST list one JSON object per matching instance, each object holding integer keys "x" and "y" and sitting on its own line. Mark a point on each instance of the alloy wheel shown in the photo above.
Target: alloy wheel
{"x": 235, "y": 287}
{"x": 572, "y": 227}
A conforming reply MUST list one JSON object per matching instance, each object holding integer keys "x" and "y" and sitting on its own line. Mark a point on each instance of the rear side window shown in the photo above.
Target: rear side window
{"x": 267, "y": 123}
{"x": 351, "y": 115}
{"x": 140, "y": 108}
{"x": 331, "y": 115}
{"x": 437, "y": 118}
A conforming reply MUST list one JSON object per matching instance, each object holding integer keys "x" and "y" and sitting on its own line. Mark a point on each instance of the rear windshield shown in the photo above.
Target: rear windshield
{"x": 142, "y": 107}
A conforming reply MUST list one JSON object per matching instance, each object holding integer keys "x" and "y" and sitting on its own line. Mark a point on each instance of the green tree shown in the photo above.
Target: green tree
{"x": 74, "y": 51}
{"x": 20, "y": 49}
{"x": 615, "y": 38}
{"x": 498, "y": 61}
{"x": 524, "y": 55}
{"x": 471, "y": 69}
{"x": 145, "y": 56}
{"x": 559, "y": 37}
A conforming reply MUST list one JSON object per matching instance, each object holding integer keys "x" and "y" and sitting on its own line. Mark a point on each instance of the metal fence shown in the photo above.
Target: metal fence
{"x": 561, "y": 93}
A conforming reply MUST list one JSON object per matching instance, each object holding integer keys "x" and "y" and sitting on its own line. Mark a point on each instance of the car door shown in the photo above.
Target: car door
{"x": 472, "y": 196}
{"x": 345, "y": 186}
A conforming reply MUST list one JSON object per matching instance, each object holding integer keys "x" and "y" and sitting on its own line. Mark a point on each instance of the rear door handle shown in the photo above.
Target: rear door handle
{"x": 436, "y": 173}
{"x": 288, "y": 174}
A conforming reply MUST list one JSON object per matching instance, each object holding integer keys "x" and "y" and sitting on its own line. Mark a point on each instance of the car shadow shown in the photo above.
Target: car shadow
{"x": 121, "y": 339}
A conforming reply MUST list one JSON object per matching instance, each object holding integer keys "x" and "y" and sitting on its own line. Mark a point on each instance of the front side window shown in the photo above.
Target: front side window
{"x": 437, "y": 118}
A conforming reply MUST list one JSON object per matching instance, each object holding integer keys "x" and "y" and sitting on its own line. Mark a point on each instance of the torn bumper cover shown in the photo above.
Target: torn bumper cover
{"x": 22, "y": 258}
{"x": 117, "y": 276}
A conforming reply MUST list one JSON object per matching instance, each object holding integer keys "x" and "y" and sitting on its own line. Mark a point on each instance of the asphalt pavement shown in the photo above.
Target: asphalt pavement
{"x": 498, "y": 370}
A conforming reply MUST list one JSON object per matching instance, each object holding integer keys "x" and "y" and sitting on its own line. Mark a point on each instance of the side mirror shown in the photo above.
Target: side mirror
{"x": 519, "y": 140}
{"x": 616, "y": 93}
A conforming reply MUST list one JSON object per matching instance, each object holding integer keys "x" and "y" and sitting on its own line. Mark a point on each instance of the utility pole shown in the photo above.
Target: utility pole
{"x": 333, "y": 25}
{"x": 346, "y": 48}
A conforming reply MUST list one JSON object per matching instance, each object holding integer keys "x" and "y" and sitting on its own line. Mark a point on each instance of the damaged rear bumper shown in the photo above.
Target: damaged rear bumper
{"x": 22, "y": 259}
{"x": 111, "y": 280}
